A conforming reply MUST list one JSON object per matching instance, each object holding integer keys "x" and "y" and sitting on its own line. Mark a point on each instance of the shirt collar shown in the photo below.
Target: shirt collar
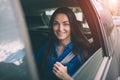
{"x": 68, "y": 48}
{"x": 69, "y": 45}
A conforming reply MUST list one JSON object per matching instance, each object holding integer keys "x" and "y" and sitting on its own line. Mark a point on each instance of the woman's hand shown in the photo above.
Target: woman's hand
{"x": 61, "y": 71}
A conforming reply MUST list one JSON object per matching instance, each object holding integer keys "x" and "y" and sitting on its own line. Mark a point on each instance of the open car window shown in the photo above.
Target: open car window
{"x": 39, "y": 34}
{"x": 38, "y": 27}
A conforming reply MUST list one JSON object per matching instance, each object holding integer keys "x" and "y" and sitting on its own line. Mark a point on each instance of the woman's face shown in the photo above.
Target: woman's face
{"x": 61, "y": 27}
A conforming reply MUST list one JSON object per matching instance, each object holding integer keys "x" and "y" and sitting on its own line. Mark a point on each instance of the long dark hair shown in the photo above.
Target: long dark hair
{"x": 80, "y": 42}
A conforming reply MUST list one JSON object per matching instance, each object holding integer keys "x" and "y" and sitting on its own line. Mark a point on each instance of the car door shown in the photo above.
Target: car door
{"x": 112, "y": 42}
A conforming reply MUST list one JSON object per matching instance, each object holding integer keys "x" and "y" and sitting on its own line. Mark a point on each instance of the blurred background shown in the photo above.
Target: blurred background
{"x": 114, "y": 7}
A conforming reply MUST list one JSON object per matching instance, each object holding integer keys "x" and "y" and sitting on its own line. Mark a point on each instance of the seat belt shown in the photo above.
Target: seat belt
{"x": 68, "y": 58}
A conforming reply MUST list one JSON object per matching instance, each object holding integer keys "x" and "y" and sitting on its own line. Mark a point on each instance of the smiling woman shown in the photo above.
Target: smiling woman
{"x": 62, "y": 32}
{"x": 65, "y": 34}
{"x": 66, "y": 39}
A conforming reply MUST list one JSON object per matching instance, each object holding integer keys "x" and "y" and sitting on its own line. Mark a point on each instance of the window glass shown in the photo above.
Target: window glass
{"x": 13, "y": 62}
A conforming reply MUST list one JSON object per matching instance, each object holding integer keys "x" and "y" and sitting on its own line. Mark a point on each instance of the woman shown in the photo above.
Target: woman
{"x": 65, "y": 37}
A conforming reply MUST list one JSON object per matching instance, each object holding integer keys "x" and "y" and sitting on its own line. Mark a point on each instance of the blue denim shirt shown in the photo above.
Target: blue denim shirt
{"x": 72, "y": 66}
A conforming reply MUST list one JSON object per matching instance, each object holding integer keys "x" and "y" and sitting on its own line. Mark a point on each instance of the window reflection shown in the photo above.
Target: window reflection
{"x": 12, "y": 52}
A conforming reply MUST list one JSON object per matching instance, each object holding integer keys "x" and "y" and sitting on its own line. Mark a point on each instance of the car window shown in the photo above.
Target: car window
{"x": 38, "y": 26}
{"x": 13, "y": 52}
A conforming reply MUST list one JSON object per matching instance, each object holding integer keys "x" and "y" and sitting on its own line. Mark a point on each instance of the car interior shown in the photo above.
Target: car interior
{"x": 37, "y": 14}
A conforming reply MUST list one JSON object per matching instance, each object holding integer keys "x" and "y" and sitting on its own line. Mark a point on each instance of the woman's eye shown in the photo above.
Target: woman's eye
{"x": 66, "y": 24}
{"x": 55, "y": 23}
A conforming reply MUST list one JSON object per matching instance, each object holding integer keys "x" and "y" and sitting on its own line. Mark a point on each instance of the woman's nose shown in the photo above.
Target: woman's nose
{"x": 61, "y": 27}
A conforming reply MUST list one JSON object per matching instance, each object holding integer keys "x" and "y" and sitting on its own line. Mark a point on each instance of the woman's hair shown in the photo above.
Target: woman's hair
{"x": 78, "y": 39}
{"x": 80, "y": 42}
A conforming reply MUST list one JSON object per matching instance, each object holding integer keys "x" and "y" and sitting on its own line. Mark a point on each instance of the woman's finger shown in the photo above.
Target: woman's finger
{"x": 58, "y": 64}
{"x": 55, "y": 69}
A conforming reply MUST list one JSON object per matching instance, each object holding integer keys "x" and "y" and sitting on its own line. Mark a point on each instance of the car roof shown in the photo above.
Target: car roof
{"x": 30, "y": 6}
